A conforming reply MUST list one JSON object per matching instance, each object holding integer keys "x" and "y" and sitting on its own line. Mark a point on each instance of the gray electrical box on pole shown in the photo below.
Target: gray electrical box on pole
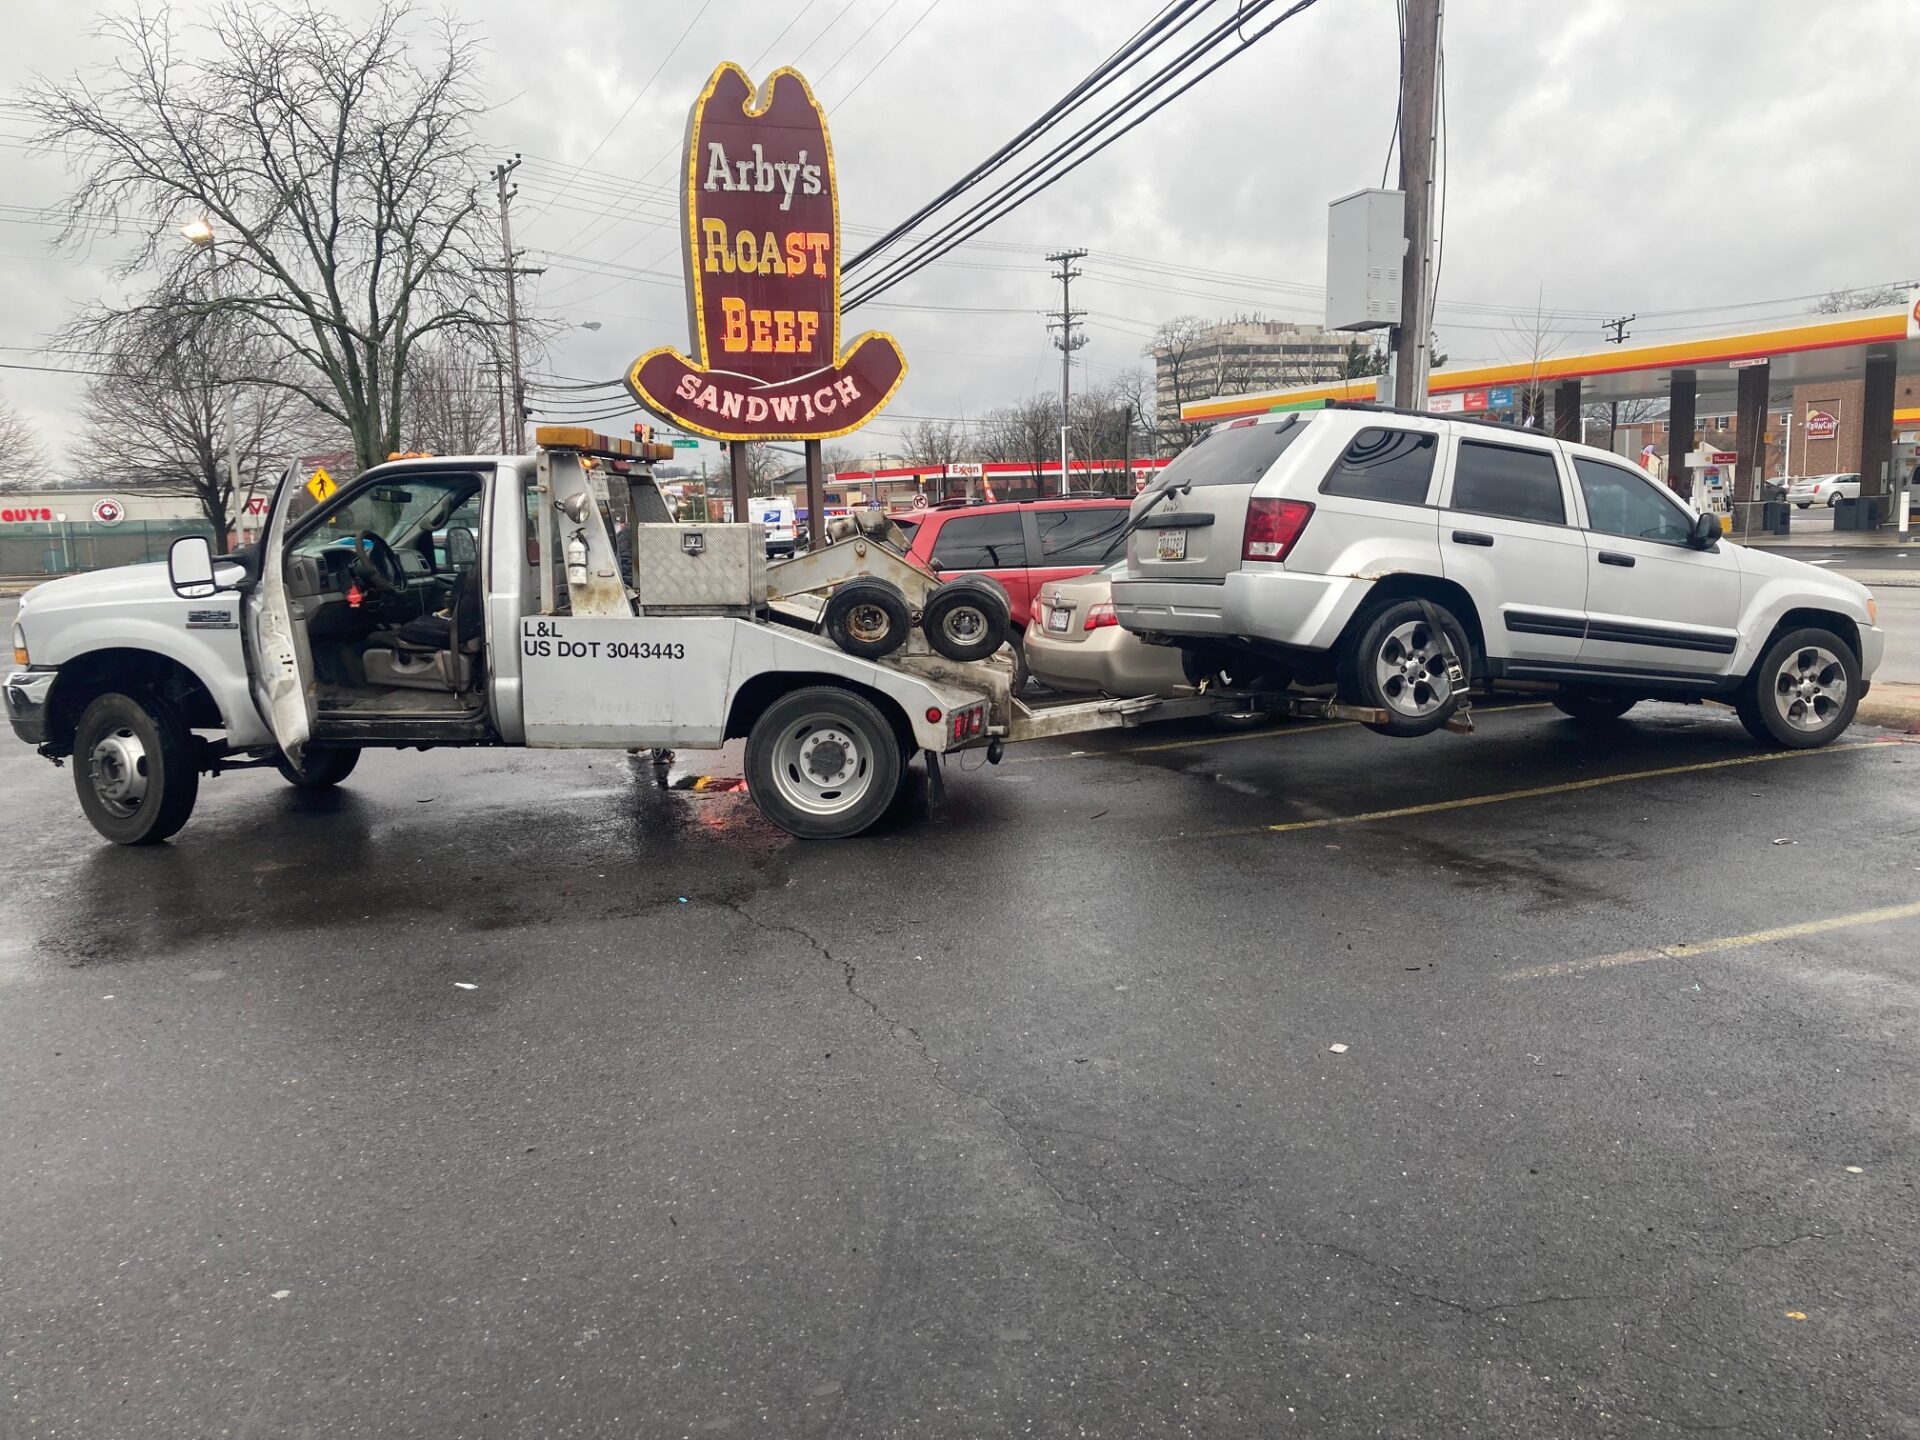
{"x": 1366, "y": 247}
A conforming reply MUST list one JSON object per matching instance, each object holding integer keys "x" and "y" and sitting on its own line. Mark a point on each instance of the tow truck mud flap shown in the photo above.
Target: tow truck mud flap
{"x": 625, "y": 680}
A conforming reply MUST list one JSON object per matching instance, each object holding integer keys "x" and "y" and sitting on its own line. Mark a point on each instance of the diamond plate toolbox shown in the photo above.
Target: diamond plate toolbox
{"x": 700, "y": 569}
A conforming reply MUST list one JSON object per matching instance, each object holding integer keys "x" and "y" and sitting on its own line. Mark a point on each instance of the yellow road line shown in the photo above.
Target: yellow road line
{"x": 1686, "y": 951}
{"x": 1565, "y": 787}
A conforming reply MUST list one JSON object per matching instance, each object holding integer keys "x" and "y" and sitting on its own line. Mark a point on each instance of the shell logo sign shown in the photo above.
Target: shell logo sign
{"x": 1822, "y": 425}
{"x": 762, "y": 263}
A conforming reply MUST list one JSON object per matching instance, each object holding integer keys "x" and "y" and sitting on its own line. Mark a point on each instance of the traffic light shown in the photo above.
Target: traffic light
{"x": 643, "y": 433}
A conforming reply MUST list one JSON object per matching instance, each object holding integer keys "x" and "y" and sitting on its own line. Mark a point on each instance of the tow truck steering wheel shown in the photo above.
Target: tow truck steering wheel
{"x": 375, "y": 562}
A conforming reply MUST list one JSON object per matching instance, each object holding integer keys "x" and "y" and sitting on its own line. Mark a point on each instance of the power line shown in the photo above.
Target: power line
{"x": 638, "y": 95}
{"x": 1063, "y": 160}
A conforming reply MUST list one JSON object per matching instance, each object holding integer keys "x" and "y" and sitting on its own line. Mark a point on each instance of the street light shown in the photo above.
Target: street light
{"x": 198, "y": 233}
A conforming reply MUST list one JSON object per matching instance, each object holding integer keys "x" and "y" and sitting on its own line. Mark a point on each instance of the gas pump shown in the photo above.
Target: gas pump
{"x": 1712, "y": 472}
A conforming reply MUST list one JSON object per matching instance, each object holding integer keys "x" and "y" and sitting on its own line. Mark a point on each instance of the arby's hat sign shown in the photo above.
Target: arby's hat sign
{"x": 762, "y": 222}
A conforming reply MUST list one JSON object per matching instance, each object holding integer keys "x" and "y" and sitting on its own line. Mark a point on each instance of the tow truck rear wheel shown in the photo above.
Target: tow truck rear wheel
{"x": 823, "y": 763}
{"x": 318, "y": 769}
{"x": 134, "y": 768}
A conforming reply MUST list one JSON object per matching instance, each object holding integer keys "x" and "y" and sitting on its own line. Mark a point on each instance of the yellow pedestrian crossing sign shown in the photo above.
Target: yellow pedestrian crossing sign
{"x": 321, "y": 485}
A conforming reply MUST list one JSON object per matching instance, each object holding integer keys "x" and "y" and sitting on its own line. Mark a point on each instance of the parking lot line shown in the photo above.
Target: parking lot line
{"x": 1686, "y": 950}
{"x": 1564, "y": 787}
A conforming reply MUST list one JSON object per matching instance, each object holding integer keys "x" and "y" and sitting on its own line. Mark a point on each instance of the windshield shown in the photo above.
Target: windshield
{"x": 398, "y": 511}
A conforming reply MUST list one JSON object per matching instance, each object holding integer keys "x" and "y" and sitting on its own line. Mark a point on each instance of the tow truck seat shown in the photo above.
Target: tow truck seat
{"x": 423, "y": 654}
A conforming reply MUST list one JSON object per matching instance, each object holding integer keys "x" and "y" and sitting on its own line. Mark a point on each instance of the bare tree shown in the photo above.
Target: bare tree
{"x": 1179, "y": 376}
{"x": 1535, "y": 337}
{"x": 1873, "y": 297}
{"x": 934, "y": 442}
{"x": 155, "y": 417}
{"x": 1612, "y": 414}
{"x": 836, "y": 459}
{"x": 1102, "y": 416}
{"x": 23, "y": 459}
{"x": 335, "y": 167}
{"x": 766, "y": 464}
{"x": 1026, "y": 433}
{"x": 456, "y": 400}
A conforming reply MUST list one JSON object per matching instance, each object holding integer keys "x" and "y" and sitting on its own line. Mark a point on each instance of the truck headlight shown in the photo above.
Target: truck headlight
{"x": 20, "y": 646}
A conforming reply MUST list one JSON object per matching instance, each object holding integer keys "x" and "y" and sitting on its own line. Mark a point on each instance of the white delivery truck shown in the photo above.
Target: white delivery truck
{"x": 482, "y": 601}
{"x": 775, "y": 512}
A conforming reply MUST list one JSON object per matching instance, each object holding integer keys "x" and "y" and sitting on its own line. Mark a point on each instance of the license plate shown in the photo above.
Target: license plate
{"x": 1171, "y": 545}
{"x": 1059, "y": 619}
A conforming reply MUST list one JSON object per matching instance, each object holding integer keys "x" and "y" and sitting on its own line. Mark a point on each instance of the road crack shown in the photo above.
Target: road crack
{"x": 911, "y": 1039}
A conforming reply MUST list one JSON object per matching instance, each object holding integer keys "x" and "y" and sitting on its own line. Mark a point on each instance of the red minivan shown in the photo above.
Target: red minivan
{"x": 1023, "y": 545}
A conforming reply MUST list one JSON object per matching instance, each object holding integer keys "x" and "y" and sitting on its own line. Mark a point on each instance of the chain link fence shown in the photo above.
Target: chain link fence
{"x": 42, "y": 548}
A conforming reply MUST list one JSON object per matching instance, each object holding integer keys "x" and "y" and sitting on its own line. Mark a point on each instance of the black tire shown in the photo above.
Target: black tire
{"x": 1806, "y": 715}
{"x": 966, "y": 619}
{"x": 868, "y": 617}
{"x": 134, "y": 768}
{"x": 1021, "y": 674}
{"x": 1804, "y": 505}
{"x": 1833, "y": 501}
{"x": 1593, "y": 707}
{"x": 1420, "y": 699}
{"x": 318, "y": 769}
{"x": 794, "y": 782}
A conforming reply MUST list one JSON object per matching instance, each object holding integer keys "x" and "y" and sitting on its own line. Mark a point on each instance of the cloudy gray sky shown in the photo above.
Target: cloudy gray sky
{"x": 1717, "y": 160}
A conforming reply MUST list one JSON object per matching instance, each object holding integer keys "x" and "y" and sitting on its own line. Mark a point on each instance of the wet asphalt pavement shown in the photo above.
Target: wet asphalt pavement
{"x": 1020, "y": 1122}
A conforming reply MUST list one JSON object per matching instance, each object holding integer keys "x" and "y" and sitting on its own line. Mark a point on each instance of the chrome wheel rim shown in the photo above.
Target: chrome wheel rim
{"x": 822, "y": 765}
{"x": 1810, "y": 688}
{"x": 1410, "y": 670}
{"x": 964, "y": 624}
{"x": 868, "y": 624}
{"x": 117, "y": 769}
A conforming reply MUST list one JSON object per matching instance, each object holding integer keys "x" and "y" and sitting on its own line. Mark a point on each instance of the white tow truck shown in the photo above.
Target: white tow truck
{"x": 541, "y": 600}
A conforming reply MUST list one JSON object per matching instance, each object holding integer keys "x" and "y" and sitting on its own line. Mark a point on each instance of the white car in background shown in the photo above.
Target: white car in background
{"x": 1387, "y": 552}
{"x": 1828, "y": 490}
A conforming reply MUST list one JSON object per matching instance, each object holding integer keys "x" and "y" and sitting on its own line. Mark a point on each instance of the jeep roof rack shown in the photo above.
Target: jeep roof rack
{"x": 1433, "y": 415}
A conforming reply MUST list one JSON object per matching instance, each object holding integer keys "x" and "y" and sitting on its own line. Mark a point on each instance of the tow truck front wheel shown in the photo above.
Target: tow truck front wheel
{"x": 823, "y": 763}
{"x": 134, "y": 769}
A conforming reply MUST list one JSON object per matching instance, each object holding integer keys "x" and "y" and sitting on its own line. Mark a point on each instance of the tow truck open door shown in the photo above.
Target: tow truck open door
{"x": 279, "y": 662}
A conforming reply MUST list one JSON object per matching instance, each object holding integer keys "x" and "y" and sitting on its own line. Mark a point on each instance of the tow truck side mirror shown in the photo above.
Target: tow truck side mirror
{"x": 190, "y": 567}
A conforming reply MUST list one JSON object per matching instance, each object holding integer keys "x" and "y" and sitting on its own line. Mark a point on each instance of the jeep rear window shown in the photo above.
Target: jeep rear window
{"x": 1238, "y": 455}
{"x": 1383, "y": 464}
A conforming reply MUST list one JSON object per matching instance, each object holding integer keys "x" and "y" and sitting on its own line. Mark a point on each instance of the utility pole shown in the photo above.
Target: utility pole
{"x": 1619, "y": 328}
{"x": 1413, "y": 336}
{"x": 508, "y": 268}
{"x": 1066, "y": 320}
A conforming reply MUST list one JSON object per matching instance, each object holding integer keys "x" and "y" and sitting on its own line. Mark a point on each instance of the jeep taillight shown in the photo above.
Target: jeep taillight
{"x": 1272, "y": 527}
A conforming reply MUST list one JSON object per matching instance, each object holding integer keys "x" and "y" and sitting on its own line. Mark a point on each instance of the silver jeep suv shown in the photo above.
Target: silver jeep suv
{"x": 1367, "y": 547}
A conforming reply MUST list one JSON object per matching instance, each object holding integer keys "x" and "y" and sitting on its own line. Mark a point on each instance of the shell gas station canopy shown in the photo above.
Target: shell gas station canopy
{"x": 1746, "y": 371}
